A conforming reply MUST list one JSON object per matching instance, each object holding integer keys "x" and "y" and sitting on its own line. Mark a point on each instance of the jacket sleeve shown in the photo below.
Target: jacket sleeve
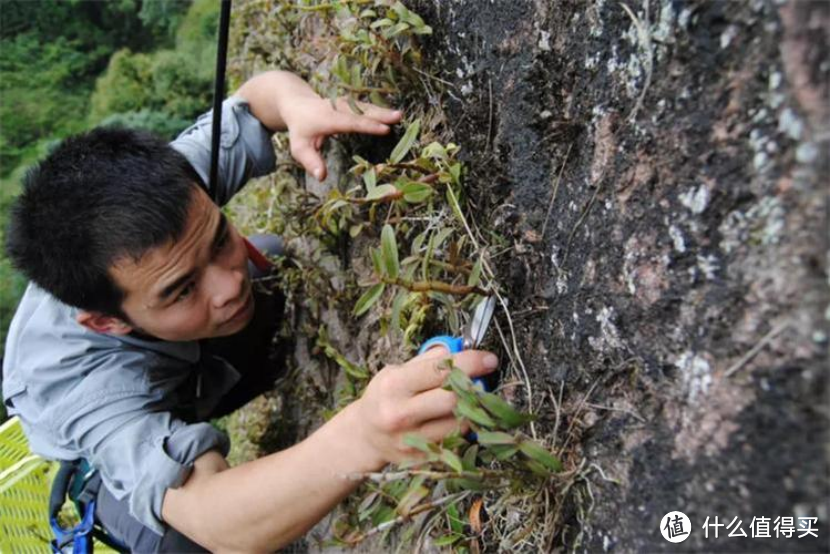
{"x": 245, "y": 149}
{"x": 139, "y": 450}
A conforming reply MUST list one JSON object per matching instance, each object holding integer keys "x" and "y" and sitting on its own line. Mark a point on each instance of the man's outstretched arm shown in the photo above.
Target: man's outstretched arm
{"x": 266, "y": 504}
{"x": 284, "y": 102}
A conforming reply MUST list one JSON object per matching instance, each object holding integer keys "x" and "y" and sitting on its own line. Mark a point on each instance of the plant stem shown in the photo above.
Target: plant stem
{"x": 386, "y": 199}
{"x": 413, "y": 512}
{"x": 324, "y": 7}
{"x": 383, "y": 90}
{"x": 401, "y": 165}
{"x": 435, "y": 286}
{"x": 435, "y": 475}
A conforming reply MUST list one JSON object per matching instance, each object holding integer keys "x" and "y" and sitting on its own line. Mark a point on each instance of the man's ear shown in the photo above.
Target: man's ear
{"x": 100, "y": 323}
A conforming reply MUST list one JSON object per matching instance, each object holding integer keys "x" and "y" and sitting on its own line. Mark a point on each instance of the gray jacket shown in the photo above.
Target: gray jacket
{"x": 117, "y": 400}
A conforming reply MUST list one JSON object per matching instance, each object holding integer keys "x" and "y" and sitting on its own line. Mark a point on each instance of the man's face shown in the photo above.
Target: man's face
{"x": 196, "y": 287}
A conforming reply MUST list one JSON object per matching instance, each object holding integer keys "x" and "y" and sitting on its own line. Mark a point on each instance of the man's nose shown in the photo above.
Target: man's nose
{"x": 227, "y": 285}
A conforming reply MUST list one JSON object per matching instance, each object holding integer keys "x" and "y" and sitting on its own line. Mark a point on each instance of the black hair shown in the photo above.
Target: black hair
{"x": 98, "y": 197}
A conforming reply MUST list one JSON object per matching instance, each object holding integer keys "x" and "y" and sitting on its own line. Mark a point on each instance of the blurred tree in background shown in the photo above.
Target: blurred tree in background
{"x": 69, "y": 65}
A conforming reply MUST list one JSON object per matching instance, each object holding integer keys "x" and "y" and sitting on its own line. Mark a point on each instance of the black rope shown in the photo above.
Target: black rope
{"x": 219, "y": 91}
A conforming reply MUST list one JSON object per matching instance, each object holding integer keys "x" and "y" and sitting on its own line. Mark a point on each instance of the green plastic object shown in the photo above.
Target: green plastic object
{"x": 25, "y": 483}
{"x": 24, "y": 493}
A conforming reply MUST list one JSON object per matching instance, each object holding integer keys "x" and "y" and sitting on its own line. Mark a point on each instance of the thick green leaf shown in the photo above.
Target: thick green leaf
{"x": 541, "y": 455}
{"x": 447, "y": 540}
{"x": 469, "y": 459}
{"x": 442, "y": 236}
{"x": 337, "y": 204}
{"x": 378, "y": 100}
{"x": 459, "y": 381}
{"x": 395, "y": 30}
{"x": 418, "y": 242}
{"x": 370, "y": 178}
{"x": 453, "y": 441}
{"x": 389, "y": 251}
{"x": 475, "y": 274}
{"x": 452, "y": 200}
{"x": 355, "y": 230}
{"x": 355, "y": 371}
{"x": 503, "y": 451}
{"x": 356, "y": 78}
{"x": 434, "y": 150}
{"x": 407, "y": 141}
{"x": 381, "y": 23}
{"x": 419, "y": 443}
{"x": 538, "y": 468}
{"x": 495, "y": 437}
{"x": 468, "y": 410}
{"x": 381, "y": 191}
{"x": 397, "y": 307}
{"x": 409, "y": 260}
{"x": 503, "y": 411}
{"x": 455, "y": 171}
{"x": 452, "y": 460}
{"x": 367, "y": 506}
{"x": 409, "y": 272}
{"x": 413, "y": 495}
{"x": 382, "y": 515}
{"x": 353, "y": 104}
{"x": 468, "y": 484}
{"x": 427, "y": 258}
{"x": 369, "y": 297}
{"x": 377, "y": 261}
{"x": 456, "y": 523}
{"x": 414, "y": 192}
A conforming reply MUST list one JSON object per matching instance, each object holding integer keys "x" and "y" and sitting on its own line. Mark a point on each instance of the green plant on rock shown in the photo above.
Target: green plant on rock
{"x": 412, "y": 263}
{"x": 498, "y": 460}
{"x": 374, "y": 48}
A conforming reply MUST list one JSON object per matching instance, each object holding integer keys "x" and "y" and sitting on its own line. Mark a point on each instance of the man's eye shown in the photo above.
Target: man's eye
{"x": 223, "y": 240}
{"x": 186, "y": 292}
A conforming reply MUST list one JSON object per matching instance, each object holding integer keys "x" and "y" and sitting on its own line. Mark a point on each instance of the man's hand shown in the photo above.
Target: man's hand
{"x": 312, "y": 119}
{"x": 282, "y": 101}
{"x": 265, "y": 504}
{"x": 410, "y": 399}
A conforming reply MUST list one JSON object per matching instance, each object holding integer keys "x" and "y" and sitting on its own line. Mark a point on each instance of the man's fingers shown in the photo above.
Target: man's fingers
{"x": 378, "y": 113}
{"x": 384, "y": 115}
{"x": 437, "y": 429}
{"x": 439, "y": 351}
{"x": 431, "y": 404}
{"x": 427, "y": 371}
{"x": 352, "y": 123}
{"x": 310, "y": 158}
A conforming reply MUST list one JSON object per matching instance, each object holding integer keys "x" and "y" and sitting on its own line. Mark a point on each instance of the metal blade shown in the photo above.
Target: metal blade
{"x": 475, "y": 330}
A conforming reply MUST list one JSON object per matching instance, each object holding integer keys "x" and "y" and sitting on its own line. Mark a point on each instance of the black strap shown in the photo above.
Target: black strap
{"x": 219, "y": 90}
{"x": 71, "y": 475}
{"x": 60, "y": 487}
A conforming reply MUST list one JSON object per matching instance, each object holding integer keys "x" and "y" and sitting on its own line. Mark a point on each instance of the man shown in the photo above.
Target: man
{"x": 129, "y": 336}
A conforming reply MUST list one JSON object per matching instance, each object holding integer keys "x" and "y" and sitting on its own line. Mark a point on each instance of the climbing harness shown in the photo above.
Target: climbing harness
{"x": 79, "y": 482}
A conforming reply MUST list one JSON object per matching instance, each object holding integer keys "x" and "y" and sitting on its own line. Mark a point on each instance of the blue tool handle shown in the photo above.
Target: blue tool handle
{"x": 454, "y": 345}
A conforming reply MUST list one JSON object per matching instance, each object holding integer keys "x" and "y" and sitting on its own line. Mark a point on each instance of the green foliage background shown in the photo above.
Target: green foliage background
{"x": 69, "y": 65}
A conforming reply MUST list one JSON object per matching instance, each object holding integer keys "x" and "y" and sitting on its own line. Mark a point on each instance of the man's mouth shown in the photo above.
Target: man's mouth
{"x": 242, "y": 311}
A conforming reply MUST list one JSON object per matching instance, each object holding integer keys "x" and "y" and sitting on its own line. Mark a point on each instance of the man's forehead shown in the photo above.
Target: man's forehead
{"x": 151, "y": 271}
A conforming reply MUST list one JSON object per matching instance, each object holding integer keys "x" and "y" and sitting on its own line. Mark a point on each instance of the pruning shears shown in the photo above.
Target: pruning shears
{"x": 471, "y": 336}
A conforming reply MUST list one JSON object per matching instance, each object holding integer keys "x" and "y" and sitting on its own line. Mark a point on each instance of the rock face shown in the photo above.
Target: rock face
{"x": 660, "y": 171}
